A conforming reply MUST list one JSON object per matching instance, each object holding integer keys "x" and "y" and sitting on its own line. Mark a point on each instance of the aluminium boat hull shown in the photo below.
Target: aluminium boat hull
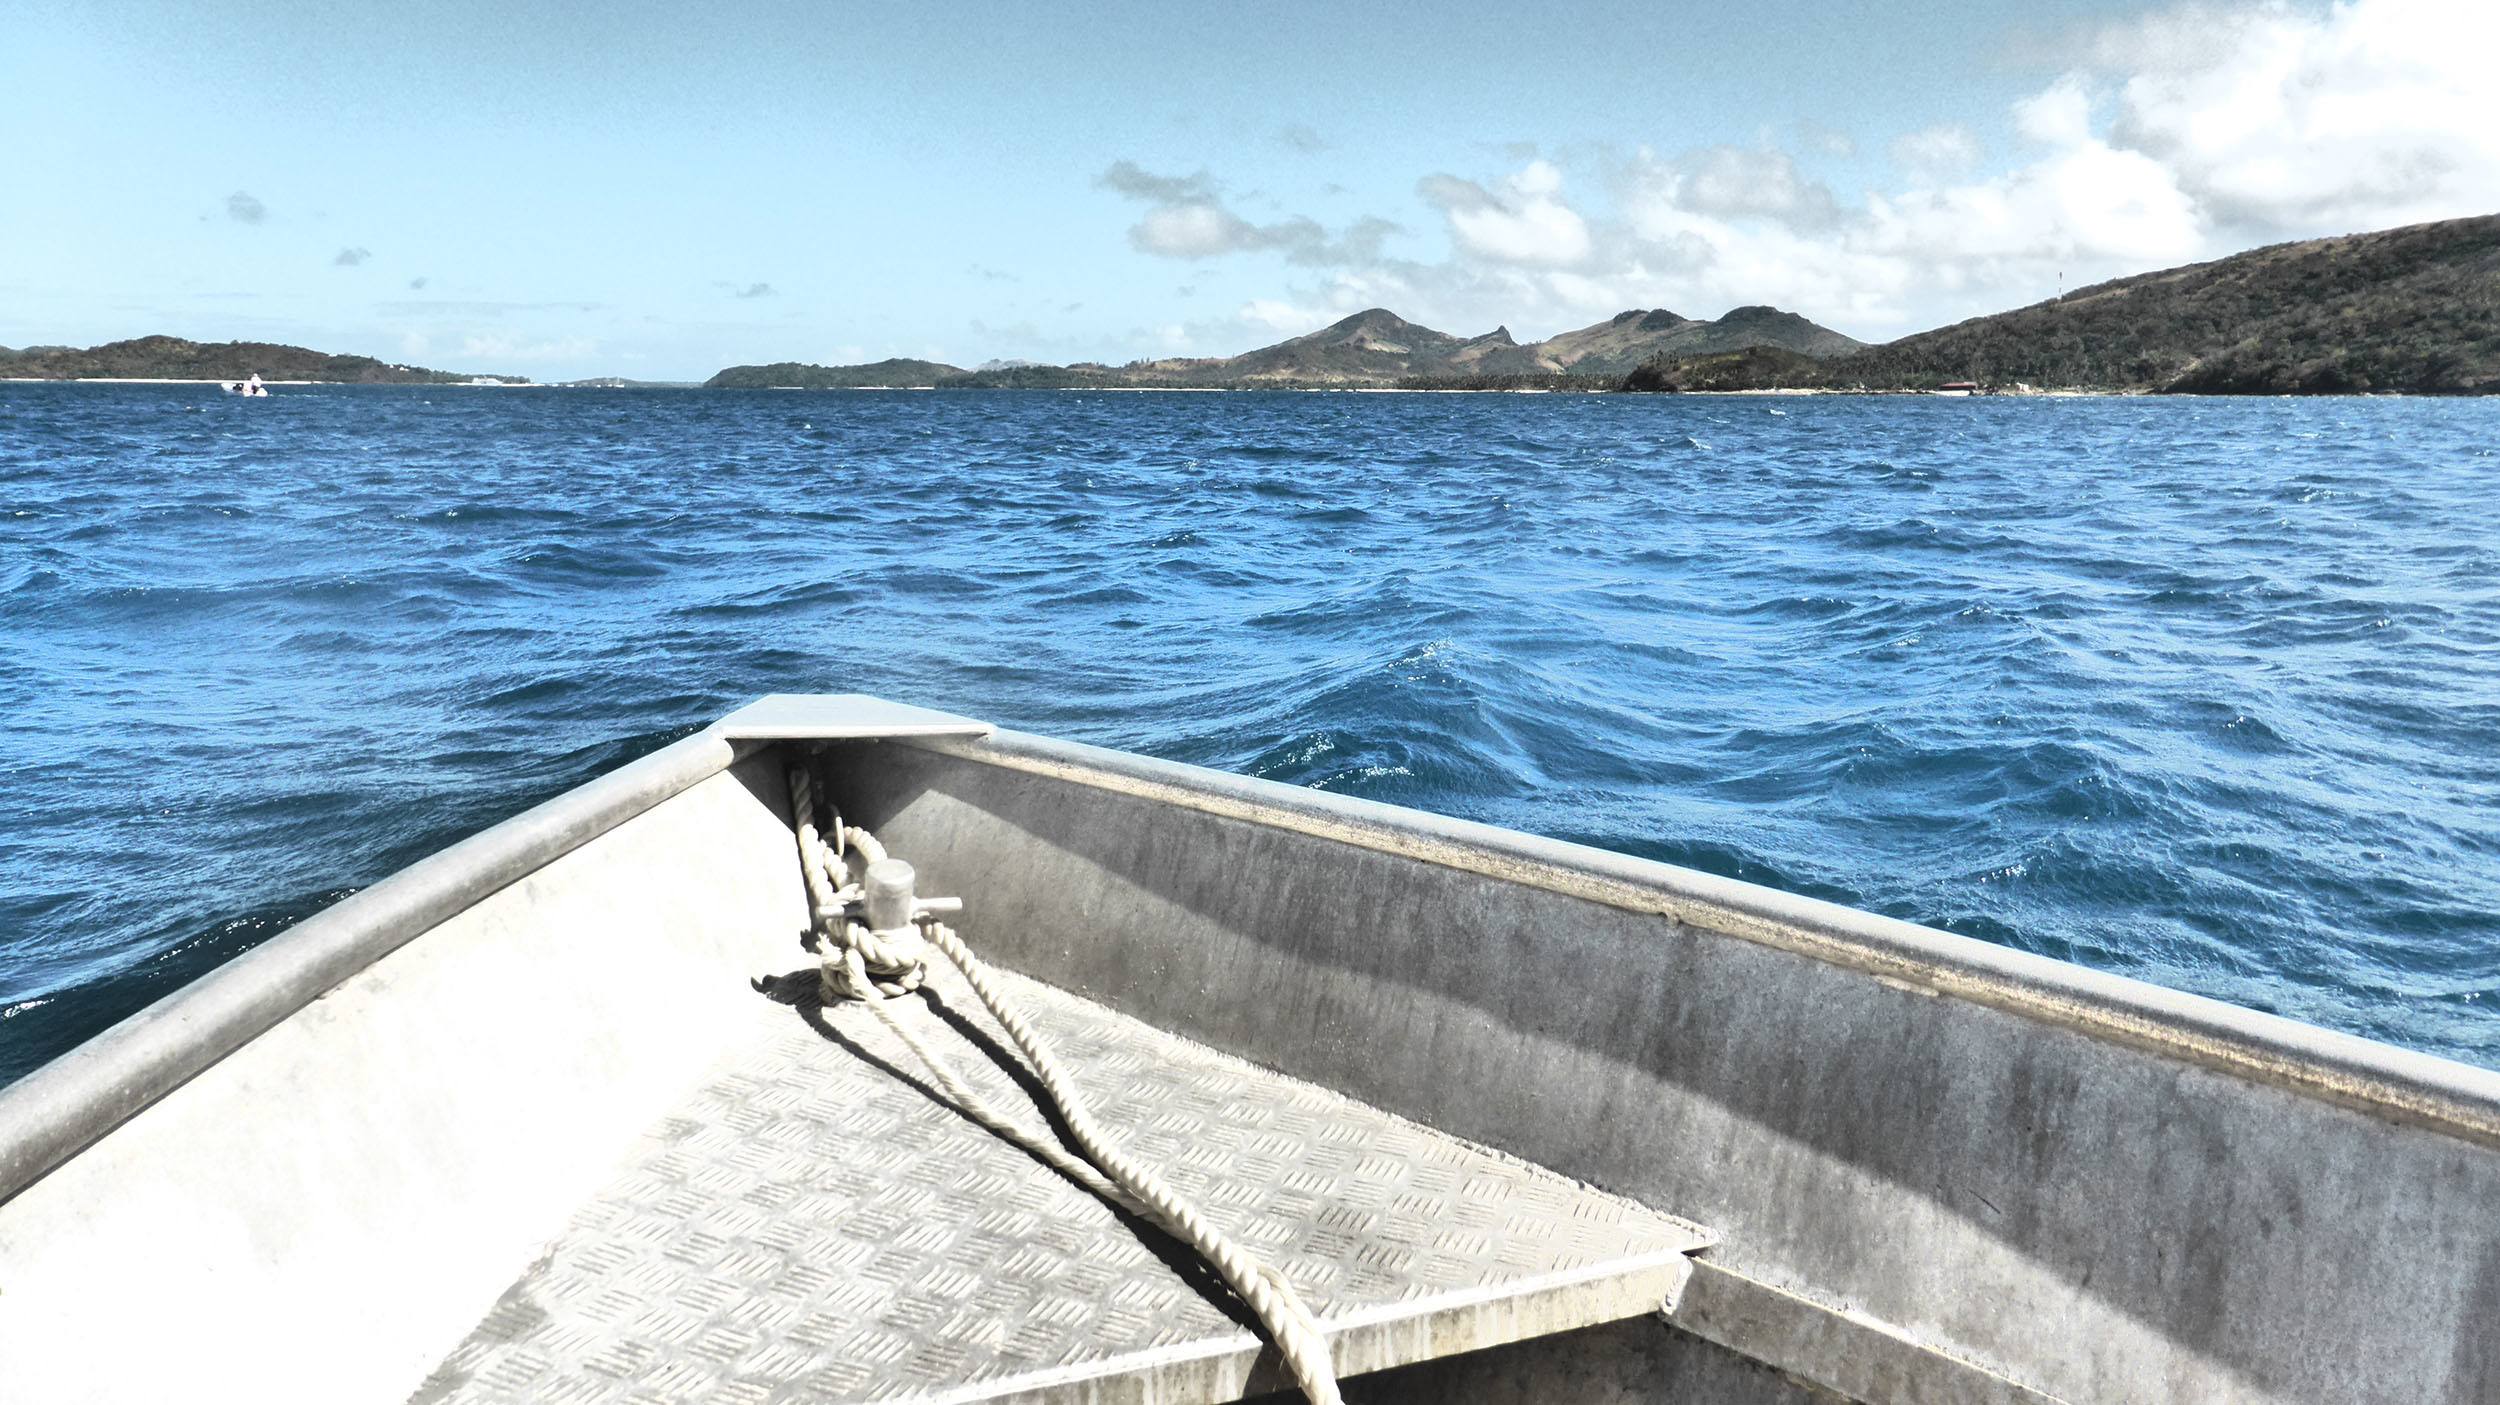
{"x": 1934, "y": 1169}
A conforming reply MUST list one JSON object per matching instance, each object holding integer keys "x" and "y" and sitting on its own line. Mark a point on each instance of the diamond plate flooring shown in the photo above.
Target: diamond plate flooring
{"x": 817, "y": 1225}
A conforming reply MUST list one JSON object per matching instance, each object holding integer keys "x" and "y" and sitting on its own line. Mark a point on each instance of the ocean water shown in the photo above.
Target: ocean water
{"x": 2205, "y": 692}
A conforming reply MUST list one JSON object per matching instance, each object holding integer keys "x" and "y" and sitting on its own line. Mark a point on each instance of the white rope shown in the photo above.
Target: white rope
{"x": 855, "y": 960}
{"x": 876, "y": 967}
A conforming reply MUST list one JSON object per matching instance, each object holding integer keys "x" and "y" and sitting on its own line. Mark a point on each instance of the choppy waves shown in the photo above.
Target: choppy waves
{"x": 2204, "y": 692}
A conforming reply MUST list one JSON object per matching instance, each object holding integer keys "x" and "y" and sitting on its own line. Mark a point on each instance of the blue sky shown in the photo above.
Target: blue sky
{"x": 658, "y": 191}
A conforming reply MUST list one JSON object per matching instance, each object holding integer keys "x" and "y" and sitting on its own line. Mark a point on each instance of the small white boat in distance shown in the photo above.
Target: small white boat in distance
{"x": 247, "y": 387}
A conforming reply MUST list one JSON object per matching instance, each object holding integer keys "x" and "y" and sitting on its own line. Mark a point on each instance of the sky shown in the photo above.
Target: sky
{"x": 657, "y": 191}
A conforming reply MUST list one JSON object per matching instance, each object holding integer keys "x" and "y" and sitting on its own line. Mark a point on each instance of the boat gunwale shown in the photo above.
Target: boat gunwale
{"x": 67, "y": 1105}
{"x": 2381, "y": 1079}
{"x": 61, "y": 1108}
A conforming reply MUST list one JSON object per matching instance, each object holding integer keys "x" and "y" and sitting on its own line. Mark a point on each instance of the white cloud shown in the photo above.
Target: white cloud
{"x": 2089, "y": 203}
{"x": 2186, "y": 135}
{"x": 1196, "y": 230}
{"x": 1189, "y": 220}
{"x": 1945, "y": 150}
{"x": 1138, "y": 183}
{"x": 1701, "y": 262}
{"x": 1740, "y": 181}
{"x": 2374, "y": 112}
{"x": 2058, "y": 115}
{"x": 1525, "y": 222}
{"x": 1279, "y": 316}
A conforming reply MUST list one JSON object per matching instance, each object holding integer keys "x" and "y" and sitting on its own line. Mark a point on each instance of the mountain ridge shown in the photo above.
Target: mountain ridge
{"x": 893, "y": 373}
{"x": 2415, "y": 309}
{"x": 162, "y": 357}
{"x": 1374, "y": 347}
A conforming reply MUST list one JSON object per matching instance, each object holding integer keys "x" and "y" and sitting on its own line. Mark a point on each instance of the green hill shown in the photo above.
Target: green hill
{"x": 1633, "y": 339}
{"x": 1375, "y": 347}
{"x": 173, "y": 358}
{"x": 1749, "y": 369}
{"x": 1378, "y": 347}
{"x": 897, "y": 373}
{"x": 2414, "y": 309}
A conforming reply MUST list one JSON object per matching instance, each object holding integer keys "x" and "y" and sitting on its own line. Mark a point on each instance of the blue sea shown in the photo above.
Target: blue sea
{"x": 2205, "y": 692}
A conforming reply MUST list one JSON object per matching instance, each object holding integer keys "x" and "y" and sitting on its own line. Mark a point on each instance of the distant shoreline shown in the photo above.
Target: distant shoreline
{"x": 2403, "y": 311}
{"x": 1756, "y": 392}
{"x": 230, "y": 380}
{"x": 1760, "y": 392}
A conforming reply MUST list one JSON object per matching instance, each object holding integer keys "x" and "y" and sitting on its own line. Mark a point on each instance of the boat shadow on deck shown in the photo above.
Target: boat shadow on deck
{"x": 799, "y": 990}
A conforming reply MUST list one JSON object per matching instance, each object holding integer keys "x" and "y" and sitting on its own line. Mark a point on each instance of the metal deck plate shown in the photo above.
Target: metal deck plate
{"x": 817, "y": 1225}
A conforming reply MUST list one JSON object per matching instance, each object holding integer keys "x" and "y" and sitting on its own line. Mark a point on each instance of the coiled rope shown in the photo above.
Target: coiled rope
{"x": 873, "y": 967}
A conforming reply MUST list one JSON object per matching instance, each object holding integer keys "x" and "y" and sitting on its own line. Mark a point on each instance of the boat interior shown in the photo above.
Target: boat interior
{"x": 564, "y": 1113}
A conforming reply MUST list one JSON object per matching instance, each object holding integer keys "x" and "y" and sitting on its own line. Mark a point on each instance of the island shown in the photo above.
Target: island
{"x": 2414, "y": 309}
{"x": 161, "y": 358}
{"x": 1374, "y": 348}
